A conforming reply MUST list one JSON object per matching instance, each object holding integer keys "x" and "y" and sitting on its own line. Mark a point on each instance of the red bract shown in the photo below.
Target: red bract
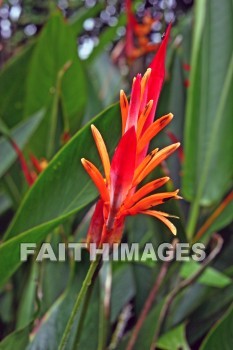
{"x": 130, "y": 164}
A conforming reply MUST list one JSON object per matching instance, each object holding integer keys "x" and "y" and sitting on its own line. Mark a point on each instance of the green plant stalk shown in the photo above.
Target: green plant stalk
{"x": 57, "y": 97}
{"x": 87, "y": 282}
{"x": 83, "y": 316}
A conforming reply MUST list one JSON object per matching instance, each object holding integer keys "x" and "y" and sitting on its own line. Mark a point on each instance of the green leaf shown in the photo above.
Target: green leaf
{"x": 174, "y": 339}
{"x": 16, "y": 340}
{"x": 123, "y": 290}
{"x": 208, "y": 141}
{"x": 210, "y": 277}
{"x": 13, "y": 87}
{"x": 21, "y": 134}
{"x": 55, "y": 48}
{"x": 55, "y": 320}
{"x": 220, "y": 336}
{"x": 60, "y": 191}
{"x": 27, "y": 301}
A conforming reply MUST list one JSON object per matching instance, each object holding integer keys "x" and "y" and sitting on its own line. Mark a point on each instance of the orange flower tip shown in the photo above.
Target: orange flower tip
{"x": 147, "y": 74}
{"x": 174, "y": 216}
{"x": 83, "y": 161}
{"x": 93, "y": 128}
{"x": 179, "y": 197}
{"x": 174, "y": 231}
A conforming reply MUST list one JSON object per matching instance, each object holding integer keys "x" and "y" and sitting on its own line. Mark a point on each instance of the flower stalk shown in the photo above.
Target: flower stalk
{"x": 86, "y": 284}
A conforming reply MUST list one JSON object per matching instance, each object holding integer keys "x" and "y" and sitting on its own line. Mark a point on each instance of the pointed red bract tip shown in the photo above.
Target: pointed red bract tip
{"x": 157, "y": 74}
{"x": 134, "y": 103}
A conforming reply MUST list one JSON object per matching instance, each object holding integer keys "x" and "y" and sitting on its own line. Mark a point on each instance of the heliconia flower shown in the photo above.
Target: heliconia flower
{"x": 137, "y": 34}
{"x": 130, "y": 165}
{"x": 38, "y": 165}
{"x": 25, "y": 169}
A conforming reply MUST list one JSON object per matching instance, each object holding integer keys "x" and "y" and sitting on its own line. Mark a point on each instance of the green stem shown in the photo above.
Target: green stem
{"x": 83, "y": 316}
{"x": 55, "y": 105}
{"x": 87, "y": 282}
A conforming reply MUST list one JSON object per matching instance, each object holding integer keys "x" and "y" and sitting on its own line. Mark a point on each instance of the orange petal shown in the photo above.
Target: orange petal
{"x": 102, "y": 151}
{"x": 153, "y": 200}
{"x": 124, "y": 105}
{"x": 144, "y": 164}
{"x": 143, "y": 117}
{"x": 153, "y": 130}
{"x": 96, "y": 178}
{"x": 144, "y": 88}
{"x": 142, "y": 192}
{"x": 156, "y": 159}
{"x": 162, "y": 217}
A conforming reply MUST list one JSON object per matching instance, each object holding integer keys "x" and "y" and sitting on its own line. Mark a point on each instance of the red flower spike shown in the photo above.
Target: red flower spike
{"x": 130, "y": 165}
{"x": 122, "y": 168}
{"x": 97, "y": 223}
{"x": 27, "y": 174}
{"x": 134, "y": 103}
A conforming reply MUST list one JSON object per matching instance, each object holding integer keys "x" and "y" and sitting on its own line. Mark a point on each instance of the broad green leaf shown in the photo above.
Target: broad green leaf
{"x": 210, "y": 277}
{"x": 13, "y": 87}
{"x": 27, "y": 301}
{"x": 16, "y": 340}
{"x": 55, "y": 51}
{"x": 21, "y": 134}
{"x": 216, "y": 302}
{"x": 221, "y": 335}
{"x": 123, "y": 290}
{"x": 208, "y": 142}
{"x": 60, "y": 191}
{"x": 174, "y": 339}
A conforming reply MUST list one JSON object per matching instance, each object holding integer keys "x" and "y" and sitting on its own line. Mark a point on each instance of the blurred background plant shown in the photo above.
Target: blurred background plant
{"x": 62, "y": 63}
